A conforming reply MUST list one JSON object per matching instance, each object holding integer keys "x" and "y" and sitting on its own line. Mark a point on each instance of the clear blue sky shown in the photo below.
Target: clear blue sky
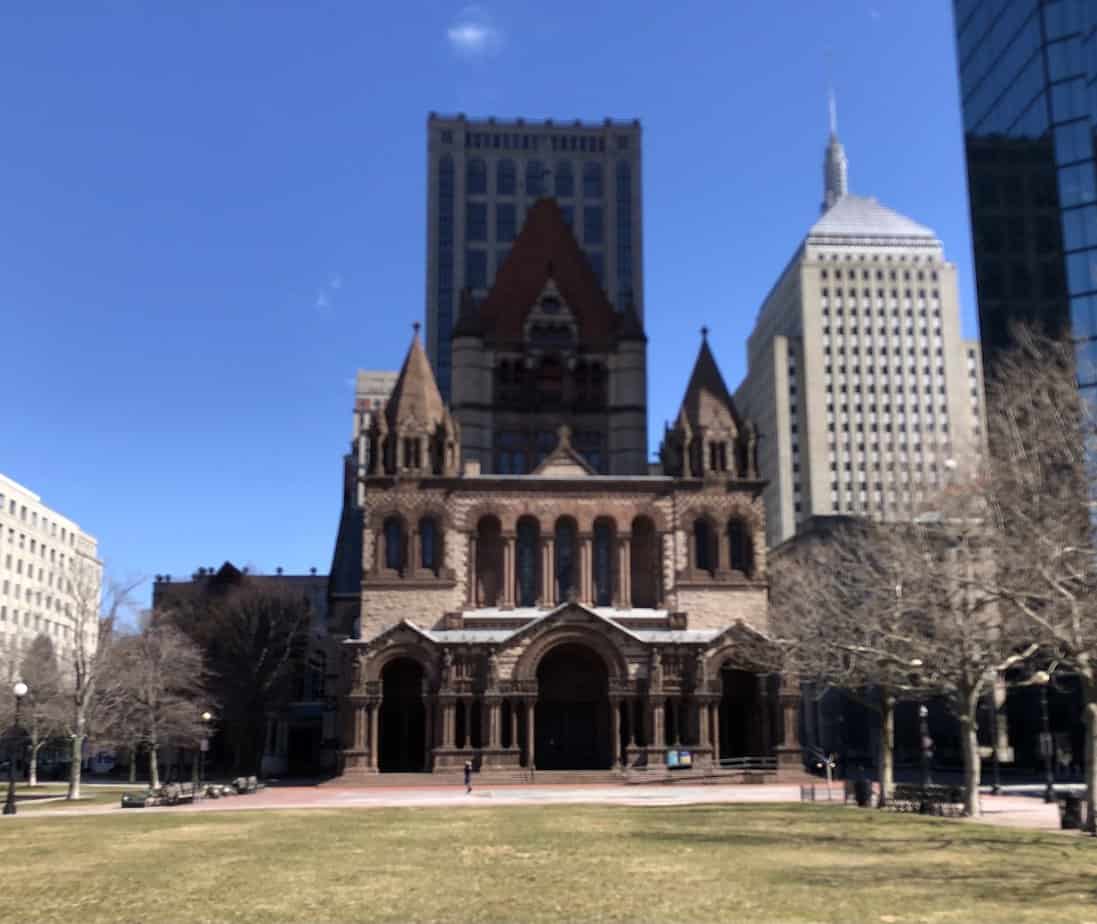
{"x": 212, "y": 213}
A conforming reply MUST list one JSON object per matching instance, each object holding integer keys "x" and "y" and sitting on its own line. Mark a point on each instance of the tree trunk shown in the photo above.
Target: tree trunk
{"x": 1090, "y": 690}
{"x": 32, "y": 767}
{"x": 887, "y": 746}
{"x": 77, "y": 742}
{"x": 154, "y": 770}
{"x": 969, "y": 741}
{"x": 133, "y": 764}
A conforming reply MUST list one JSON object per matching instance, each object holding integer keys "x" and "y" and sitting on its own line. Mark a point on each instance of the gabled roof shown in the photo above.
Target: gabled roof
{"x": 415, "y": 396}
{"x": 546, "y": 249}
{"x": 564, "y": 461}
{"x": 862, "y": 216}
{"x": 708, "y": 402}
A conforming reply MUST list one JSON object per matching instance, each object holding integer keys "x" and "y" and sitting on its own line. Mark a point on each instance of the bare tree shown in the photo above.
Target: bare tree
{"x": 252, "y": 638}
{"x": 1040, "y": 490}
{"x": 92, "y": 613}
{"x": 161, "y": 690}
{"x": 837, "y": 607}
{"x": 42, "y": 712}
{"x": 903, "y": 608}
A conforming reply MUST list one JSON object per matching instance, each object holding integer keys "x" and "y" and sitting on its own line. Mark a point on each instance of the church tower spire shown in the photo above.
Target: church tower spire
{"x": 835, "y": 165}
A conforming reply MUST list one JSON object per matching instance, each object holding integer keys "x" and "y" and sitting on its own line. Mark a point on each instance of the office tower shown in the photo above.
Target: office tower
{"x": 483, "y": 177}
{"x": 1028, "y": 83}
{"x": 41, "y": 551}
{"x": 859, "y": 381}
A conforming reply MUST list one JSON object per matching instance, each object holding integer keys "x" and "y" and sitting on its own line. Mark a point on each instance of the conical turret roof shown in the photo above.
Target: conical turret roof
{"x": 415, "y": 397}
{"x": 707, "y": 402}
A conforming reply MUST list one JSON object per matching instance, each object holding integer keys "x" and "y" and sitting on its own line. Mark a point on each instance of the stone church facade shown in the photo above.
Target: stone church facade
{"x": 516, "y": 588}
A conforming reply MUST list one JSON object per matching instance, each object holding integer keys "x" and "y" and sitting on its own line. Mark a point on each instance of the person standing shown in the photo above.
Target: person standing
{"x": 468, "y": 776}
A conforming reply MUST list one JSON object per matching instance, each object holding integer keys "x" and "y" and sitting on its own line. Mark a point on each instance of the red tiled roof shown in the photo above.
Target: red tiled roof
{"x": 546, "y": 249}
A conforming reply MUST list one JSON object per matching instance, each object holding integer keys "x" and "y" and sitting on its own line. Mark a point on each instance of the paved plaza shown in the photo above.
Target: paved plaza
{"x": 1018, "y": 807}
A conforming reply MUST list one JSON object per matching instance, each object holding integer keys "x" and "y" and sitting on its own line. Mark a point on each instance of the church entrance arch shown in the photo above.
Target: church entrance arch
{"x": 573, "y": 728}
{"x": 402, "y": 732}
{"x": 742, "y": 729}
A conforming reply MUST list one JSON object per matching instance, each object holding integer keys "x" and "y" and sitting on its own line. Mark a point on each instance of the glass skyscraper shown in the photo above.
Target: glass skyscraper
{"x": 1028, "y": 83}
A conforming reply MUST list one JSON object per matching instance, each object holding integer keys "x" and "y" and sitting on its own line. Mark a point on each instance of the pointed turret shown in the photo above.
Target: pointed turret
{"x": 835, "y": 165}
{"x": 708, "y": 438}
{"x": 414, "y": 434}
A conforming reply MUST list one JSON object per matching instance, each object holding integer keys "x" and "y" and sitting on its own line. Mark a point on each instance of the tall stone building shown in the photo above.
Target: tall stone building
{"x": 555, "y": 607}
{"x": 859, "y": 380}
{"x": 483, "y": 177}
{"x": 41, "y": 553}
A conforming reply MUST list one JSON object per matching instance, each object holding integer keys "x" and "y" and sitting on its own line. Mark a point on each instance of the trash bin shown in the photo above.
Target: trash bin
{"x": 1070, "y": 812}
{"x": 862, "y": 792}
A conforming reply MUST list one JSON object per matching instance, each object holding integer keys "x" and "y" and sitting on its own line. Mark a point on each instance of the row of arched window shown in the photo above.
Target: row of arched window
{"x": 713, "y": 549}
{"x": 399, "y": 548}
{"x": 563, "y": 178}
{"x": 606, "y": 584}
{"x": 549, "y": 381}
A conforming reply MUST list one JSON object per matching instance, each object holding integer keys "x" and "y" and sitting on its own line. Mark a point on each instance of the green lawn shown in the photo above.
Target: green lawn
{"x": 44, "y": 796}
{"x": 683, "y": 864}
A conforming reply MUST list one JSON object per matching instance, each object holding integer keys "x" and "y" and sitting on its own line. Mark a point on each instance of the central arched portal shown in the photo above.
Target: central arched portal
{"x": 403, "y": 727}
{"x": 573, "y": 716}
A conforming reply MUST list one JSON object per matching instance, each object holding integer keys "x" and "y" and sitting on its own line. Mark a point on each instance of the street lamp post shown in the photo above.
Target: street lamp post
{"x": 20, "y": 690}
{"x": 1047, "y": 746}
{"x": 202, "y": 748}
{"x": 927, "y": 744}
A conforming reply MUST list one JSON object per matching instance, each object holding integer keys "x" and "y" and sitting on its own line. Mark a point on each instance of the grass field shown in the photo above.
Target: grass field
{"x": 681, "y": 864}
{"x": 44, "y": 796}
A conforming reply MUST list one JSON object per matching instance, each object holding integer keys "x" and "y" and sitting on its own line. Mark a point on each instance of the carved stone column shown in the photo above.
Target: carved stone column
{"x": 514, "y": 724}
{"x": 472, "y": 594}
{"x": 714, "y": 717}
{"x": 789, "y": 757}
{"x": 374, "y": 734}
{"x": 428, "y": 731}
{"x": 763, "y": 713}
{"x": 624, "y": 572}
{"x": 548, "y": 572}
{"x": 586, "y": 561}
{"x": 530, "y": 712}
{"x": 449, "y": 721}
{"x": 509, "y": 579}
{"x": 615, "y": 709}
{"x": 658, "y": 726}
{"x": 495, "y": 731}
{"x": 414, "y": 557}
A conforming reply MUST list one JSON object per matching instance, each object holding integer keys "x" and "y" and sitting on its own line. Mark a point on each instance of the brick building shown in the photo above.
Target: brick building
{"x": 541, "y": 600}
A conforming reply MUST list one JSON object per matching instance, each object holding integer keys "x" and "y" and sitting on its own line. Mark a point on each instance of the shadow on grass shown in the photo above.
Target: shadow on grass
{"x": 989, "y": 885}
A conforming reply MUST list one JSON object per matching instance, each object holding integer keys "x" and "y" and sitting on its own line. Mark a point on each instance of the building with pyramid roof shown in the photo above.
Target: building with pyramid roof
{"x": 515, "y": 586}
{"x": 863, "y": 390}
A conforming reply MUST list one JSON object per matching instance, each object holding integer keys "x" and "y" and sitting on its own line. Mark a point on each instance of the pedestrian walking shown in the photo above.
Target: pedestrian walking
{"x": 468, "y": 776}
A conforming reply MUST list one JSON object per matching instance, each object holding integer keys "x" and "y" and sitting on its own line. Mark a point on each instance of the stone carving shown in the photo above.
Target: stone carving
{"x": 655, "y": 671}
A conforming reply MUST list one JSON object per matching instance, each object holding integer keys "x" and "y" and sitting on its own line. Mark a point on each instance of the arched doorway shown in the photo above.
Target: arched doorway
{"x": 402, "y": 733}
{"x": 572, "y": 730}
{"x": 742, "y": 718}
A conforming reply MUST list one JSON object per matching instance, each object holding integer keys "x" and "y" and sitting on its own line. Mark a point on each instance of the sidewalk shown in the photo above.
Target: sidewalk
{"x": 1010, "y": 809}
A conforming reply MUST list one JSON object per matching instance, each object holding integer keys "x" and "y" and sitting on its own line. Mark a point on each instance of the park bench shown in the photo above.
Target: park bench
{"x": 928, "y": 800}
{"x": 168, "y": 794}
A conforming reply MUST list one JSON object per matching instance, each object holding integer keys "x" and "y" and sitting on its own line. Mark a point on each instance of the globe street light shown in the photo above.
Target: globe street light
{"x": 1047, "y": 746}
{"x": 207, "y": 717}
{"x": 20, "y": 690}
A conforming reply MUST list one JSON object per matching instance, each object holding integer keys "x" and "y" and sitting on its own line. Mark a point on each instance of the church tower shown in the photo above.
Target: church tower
{"x": 546, "y": 348}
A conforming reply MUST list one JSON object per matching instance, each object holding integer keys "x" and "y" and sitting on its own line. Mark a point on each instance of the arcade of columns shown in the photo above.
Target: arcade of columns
{"x": 645, "y": 721}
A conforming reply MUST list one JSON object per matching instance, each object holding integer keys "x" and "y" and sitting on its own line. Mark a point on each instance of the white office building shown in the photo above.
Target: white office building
{"x": 483, "y": 176}
{"x": 862, "y": 388}
{"x": 40, "y": 551}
